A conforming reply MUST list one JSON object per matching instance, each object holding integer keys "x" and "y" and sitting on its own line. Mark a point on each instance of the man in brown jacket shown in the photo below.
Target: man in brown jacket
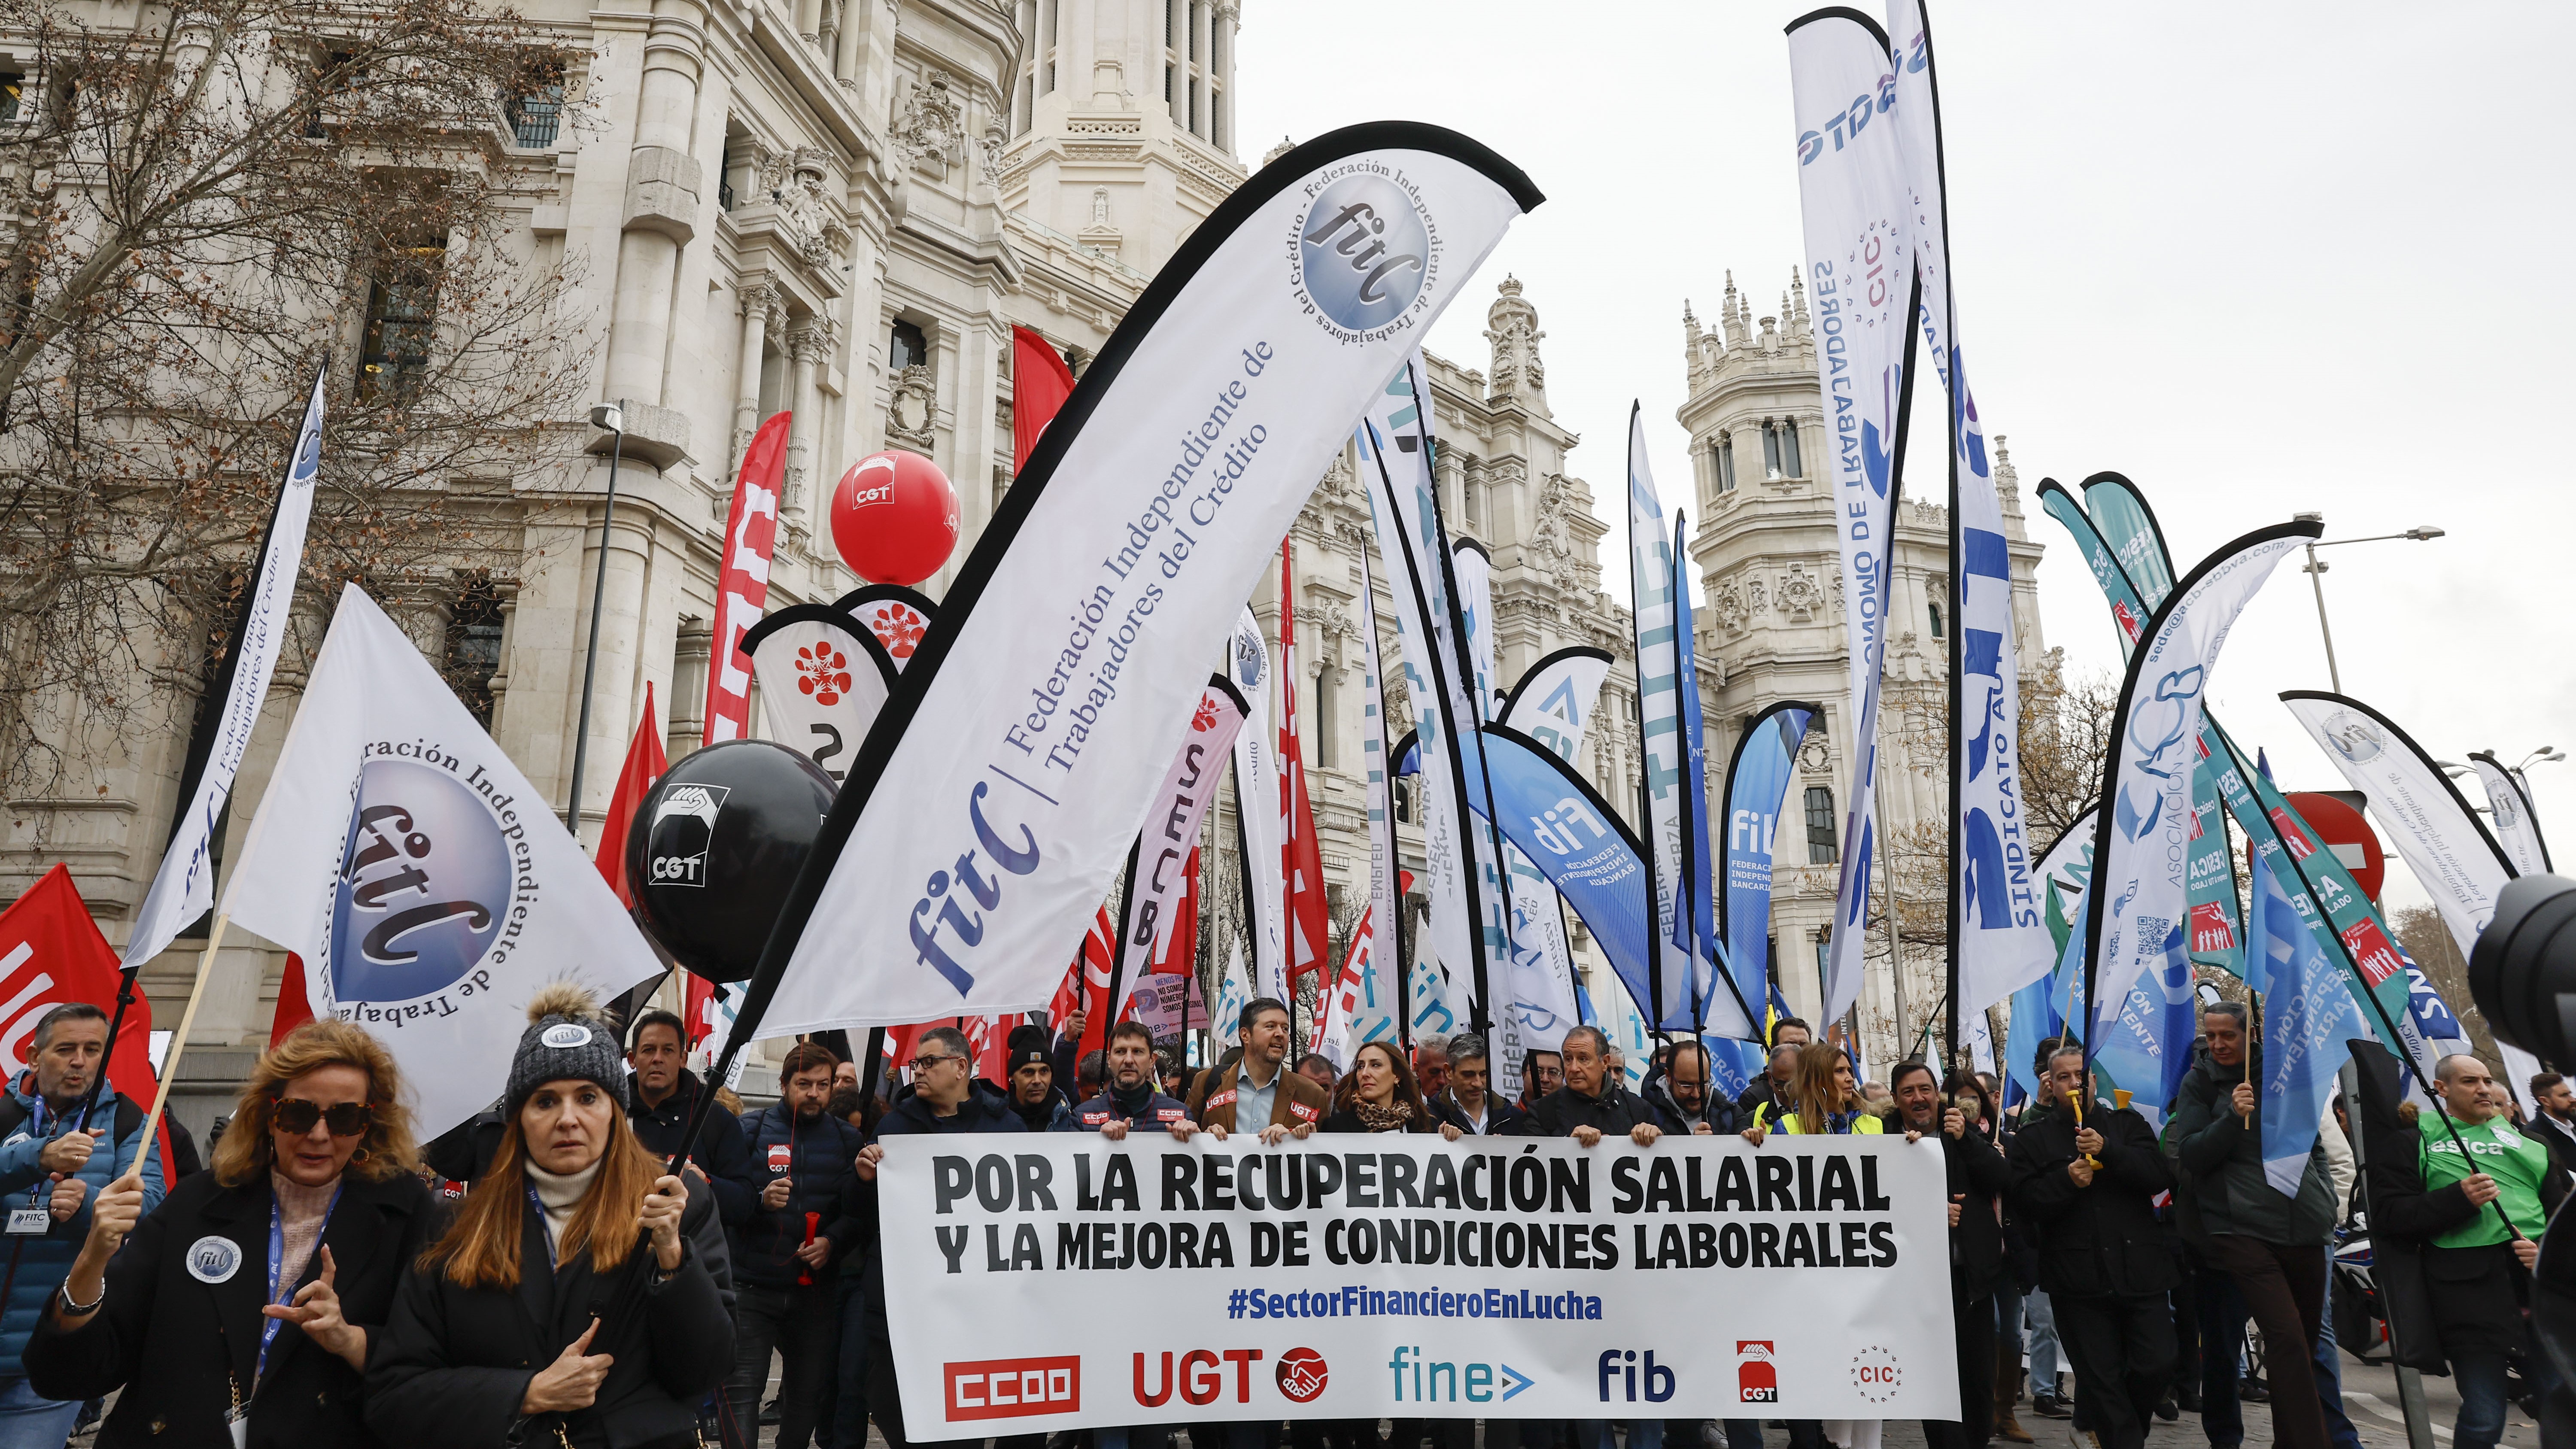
{"x": 1259, "y": 1089}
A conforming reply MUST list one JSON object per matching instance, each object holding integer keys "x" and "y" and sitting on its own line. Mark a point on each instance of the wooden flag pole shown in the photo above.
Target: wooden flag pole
{"x": 178, "y": 1043}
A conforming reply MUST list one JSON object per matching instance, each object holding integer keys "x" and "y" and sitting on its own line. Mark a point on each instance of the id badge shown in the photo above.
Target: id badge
{"x": 29, "y": 1222}
{"x": 237, "y": 1424}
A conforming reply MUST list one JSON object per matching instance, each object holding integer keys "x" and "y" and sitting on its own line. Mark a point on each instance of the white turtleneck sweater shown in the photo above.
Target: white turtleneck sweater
{"x": 562, "y": 1194}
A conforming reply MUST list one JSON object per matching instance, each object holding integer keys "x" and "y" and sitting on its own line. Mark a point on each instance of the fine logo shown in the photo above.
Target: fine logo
{"x": 214, "y": 1260}
{"x": 1877, "y": 1374}
{"x": 1302, "y": 1374}
{"x": 2355, "y": 738}
{"x": 564, "y": 1035}
{"x": 1364, "y": 254}
{"x": 424, "y": 873}
{"x": 684, "y": 823}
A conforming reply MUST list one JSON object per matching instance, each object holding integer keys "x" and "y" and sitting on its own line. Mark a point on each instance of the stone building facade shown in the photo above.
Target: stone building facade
{"x": 1771, "y": 629}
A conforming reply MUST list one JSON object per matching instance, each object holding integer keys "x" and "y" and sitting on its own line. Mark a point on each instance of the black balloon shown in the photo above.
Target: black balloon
{"x": 715, "y": 847}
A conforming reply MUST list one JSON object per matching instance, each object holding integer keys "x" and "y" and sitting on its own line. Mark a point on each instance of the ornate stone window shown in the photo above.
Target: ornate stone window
{"x": 1822, "y": 848}
{"x": 402, "y": 317}
{"x": 906, "y": 347}
{"x": 1724, "y": 449}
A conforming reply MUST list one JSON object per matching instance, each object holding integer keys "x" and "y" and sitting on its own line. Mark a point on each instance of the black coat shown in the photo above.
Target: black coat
{"x": 1977, "y": 1170}
{"x": 1502, "y": 1119}
{"x": 179, "y": 1345}
{"x": 815, "y": 1157}
{"x": 720, "y": 1152}
{"x": 1615, "y": 1111}
{"x": 984, "y": 1110}
{"x": 452, "y": 1367}
{"x": 2099, "y": 1240}
{"x": 2475, "y": 1295}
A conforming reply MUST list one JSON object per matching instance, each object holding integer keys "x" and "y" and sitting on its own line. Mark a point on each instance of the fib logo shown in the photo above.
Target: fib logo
{"x": 1302, "y": 1375}
{"x": 1756, "y": 1380}
{"x": 424, "y": 874}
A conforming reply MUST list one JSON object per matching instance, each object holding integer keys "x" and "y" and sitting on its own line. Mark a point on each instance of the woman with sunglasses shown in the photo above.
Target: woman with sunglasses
{"x": 571, "y": 1302}
{"x": 253, "y": 1292}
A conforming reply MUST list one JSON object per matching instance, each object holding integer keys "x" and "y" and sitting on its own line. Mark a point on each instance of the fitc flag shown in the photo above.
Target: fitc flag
{"x": 1855, "y": 207}
{"x": 1135, "y": 532}
{"x": 184, "y": 887}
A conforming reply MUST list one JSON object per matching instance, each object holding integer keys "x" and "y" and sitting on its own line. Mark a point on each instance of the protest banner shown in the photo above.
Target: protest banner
{"x": 1402, "y": 1277}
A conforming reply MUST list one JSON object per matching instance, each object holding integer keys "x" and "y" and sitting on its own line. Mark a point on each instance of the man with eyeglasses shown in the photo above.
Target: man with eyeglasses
{"x": 943, "y": 1098}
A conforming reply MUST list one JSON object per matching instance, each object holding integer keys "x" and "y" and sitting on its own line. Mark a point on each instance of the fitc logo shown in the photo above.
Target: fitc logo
{"x": 1362, "y": 252}
{"x": 423, "y": 876}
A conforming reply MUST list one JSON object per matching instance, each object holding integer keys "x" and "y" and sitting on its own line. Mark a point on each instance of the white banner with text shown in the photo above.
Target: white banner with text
{"x": 1154, "y": 1282}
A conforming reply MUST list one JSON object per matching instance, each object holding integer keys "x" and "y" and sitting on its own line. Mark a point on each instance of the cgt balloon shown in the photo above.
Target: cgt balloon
{"x": 894, "y": 517}
{"x": 715, "y": 848}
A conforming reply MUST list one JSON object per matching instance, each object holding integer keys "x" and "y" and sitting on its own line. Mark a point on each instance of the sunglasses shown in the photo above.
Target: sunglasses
{"x": 295, "y": 1116}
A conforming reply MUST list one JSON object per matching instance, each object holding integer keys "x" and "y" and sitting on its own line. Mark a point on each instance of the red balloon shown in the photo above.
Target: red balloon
{"x": 894, "y": 517}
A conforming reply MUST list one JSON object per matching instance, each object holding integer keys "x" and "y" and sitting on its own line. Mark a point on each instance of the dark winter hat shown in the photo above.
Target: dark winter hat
{"x": 1028, "y": 1047}
{"x": 568, "y": 1040}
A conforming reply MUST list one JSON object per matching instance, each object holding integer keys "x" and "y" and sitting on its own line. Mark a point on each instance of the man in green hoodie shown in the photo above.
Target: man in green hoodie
{"x": 2271, "y": 1242}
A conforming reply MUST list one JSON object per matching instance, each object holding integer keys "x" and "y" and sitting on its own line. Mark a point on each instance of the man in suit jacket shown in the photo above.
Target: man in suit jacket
{"x": 1259, "y": 1094}
{"x": 1470, "y": 1102}
{"x": 2554, "y": 1126}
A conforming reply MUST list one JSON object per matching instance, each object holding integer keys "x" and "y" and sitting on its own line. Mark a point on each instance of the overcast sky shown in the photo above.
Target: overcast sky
{"x": 2261, "y": 260}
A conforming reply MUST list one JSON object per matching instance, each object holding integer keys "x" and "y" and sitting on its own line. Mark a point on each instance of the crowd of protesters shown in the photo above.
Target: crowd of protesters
{"x": 325, "y": 1279}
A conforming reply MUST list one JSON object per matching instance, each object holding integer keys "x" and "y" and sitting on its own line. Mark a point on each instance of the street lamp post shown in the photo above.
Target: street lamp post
{"x": 2315, "y": 570}
{"x": 611, "y": 416}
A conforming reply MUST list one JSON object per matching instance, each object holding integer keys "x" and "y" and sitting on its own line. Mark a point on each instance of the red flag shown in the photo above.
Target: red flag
{"x": 742, "y": 585}
{"x": 1302, "y": 857}
{"x": 644, "y": 765}
{"x": 1086, "y": 987}
{"x": 1040, "y": 382}
{"x": 51, "y": 953}
{"x": 294, "y": 1008}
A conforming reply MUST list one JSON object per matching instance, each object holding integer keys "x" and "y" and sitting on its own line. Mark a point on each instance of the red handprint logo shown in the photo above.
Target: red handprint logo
{"x": 1205, "y": 719}
{"x": 899, "y": 629}
{"x": 823, "y": 672}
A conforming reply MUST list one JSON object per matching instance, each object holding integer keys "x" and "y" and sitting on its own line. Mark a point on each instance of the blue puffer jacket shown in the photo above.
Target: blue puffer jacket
{"x": 31, "y": 1268}
{"x": 816, "y": 1158}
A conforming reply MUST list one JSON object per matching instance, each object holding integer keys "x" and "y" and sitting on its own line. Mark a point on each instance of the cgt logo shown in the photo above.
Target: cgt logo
{"x": 1013, "y": 1388}
{"x": 1756, "y": 1381}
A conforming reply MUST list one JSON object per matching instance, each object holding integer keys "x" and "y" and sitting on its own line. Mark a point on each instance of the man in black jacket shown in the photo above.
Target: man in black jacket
{"x": 2087, "y": 1190}
{"x": 1680, "y": 1091}
{"x": 1788, "y": 1034}
{"x": 1978, "y": 1179}
{"x": 1470, "y": 1101}
{"x": 664, "y": 1093}
{"x": 784, "y": 1291}
{"x": 1130, "y": 1100}
{"x": 1592, "y": 1103}
{"x": 944, "y": 1097}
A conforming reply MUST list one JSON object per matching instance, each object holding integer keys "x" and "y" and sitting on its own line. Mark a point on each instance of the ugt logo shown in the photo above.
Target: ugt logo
{"x": 423, "y": 874}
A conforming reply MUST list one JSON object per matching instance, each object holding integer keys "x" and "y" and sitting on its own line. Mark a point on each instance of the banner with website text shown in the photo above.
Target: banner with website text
{"x": 1394, "y": 1277}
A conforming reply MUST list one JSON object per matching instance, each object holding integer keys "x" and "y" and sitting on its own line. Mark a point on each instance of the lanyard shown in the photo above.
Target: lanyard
{"x": 539, "y": 1208}
{"x": 276, "y": 1265}
{"x": 36, "y": 1127}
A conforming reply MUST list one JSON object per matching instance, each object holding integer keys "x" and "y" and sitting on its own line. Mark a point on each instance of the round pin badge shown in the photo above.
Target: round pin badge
{"x": 566, "y": 1034}
{"x": 214, "y": 1260}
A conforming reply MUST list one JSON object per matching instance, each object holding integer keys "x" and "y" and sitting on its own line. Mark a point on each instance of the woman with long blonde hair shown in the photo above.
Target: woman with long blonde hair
{"x": 248, "y": 1300}
{"x": 571, "y": 1301}
{"x": 1822, "y": 1100}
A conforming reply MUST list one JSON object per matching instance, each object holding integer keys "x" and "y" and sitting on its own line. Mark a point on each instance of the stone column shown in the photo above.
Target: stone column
{"x": 662, "y": 183}
{"x": 1176, "y": 28}
{"x": 1221, "y": 65}
{"x": 758, "y": 300}
{"x": 1046, "y": 44}
{"x": 1199, "y": 43}
{"x": 810, "y": 345}
{"x": 1023, "y": 93}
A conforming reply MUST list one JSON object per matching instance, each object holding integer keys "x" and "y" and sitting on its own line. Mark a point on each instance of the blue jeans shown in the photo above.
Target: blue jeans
{"x": 2329, "y": 1361}
{"x": 2481, "y": 1378}
{"x": 29, "y": 1421}
{"x": 2043, "y": 1344}
{"x": 1642, "y": 1433}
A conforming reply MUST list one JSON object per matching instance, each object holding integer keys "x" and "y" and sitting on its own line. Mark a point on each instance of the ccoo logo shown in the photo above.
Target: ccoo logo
{"x": 423, "y": 876}
{"x": 1363, "y": 252}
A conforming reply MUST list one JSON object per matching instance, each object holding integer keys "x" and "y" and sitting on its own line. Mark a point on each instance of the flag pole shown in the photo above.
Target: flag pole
{"x": 178, "y": 1044}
